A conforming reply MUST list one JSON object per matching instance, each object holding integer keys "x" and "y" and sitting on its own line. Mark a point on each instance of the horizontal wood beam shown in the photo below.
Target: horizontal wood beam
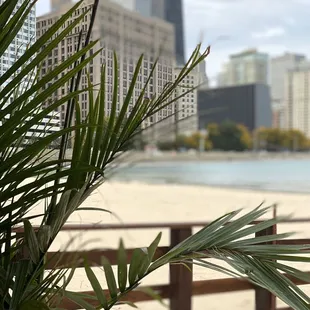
{"x": 135, "y": 296}
{"x": 198, "y": 288}
{"x": 220, "y": 286}
{"x": 151, "y": 225}
{"x": 207, "y": 287}
{"x": 294, "y": 242}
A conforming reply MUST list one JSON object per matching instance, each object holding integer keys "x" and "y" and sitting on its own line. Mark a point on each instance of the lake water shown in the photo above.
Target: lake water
{"x": 269, "y": 175}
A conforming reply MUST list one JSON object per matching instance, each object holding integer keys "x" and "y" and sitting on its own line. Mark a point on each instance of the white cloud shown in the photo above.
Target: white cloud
{"x": 269, "y": 33}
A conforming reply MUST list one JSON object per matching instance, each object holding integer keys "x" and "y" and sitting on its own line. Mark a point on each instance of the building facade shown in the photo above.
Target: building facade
{"x": 279, "y": 67}
{"x": 128, "y": 34}
{"x": 174, "y": 15}
{"x": 297, "y": 98}
{"x": 25, "y": 38}
{"x": 247, "y": 67}
{"x": 186, "y": 106}
{"x": 249, "y": 105}
{"x": 169, "y": 10}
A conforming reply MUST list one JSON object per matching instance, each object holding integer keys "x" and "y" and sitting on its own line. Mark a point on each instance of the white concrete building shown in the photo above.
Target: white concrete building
{"x": 279, "y": 67}
{"x": 202, "y": 74}
{"x": 247, "y": 67}
{"x": 186, "y": 107}
{"x": 297, "y": 98}
{"x": 25, "y": 37}
{"x": 128, "y": 34}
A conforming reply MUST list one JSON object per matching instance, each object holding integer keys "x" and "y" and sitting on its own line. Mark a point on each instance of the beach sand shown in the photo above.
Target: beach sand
{"x": 141, "y": 203}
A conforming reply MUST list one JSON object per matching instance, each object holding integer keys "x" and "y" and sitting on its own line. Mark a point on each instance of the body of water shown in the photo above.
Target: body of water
{"x": 270, "y": 175}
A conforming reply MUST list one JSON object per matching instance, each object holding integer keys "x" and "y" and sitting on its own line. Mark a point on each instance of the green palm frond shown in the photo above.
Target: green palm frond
{"x": 30, "y": 174}
{"x": 229, "y": 240}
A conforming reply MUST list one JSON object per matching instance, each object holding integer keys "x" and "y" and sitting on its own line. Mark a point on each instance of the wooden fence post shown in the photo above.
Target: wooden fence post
{"x": 181, "y": 277}
{"x": 264, "y": 300}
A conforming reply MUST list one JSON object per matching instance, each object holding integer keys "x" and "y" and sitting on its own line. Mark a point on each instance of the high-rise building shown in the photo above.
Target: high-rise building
{"x": 248, "y": 105}
{"x": 279, "y": 67}
{"x": 247, "y": 67}
{"x": 297, "y": 98}
{"x": 128, "y": 34}
{"x": 186, "y": 106}
{"x": 174, "y": 15}
{"x": 23, "y": 39}
{"x": 169, "y": 10}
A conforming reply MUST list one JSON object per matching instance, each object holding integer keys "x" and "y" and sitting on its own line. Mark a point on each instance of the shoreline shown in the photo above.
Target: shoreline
{"x": 205, "y": 186}
{"x": 215, "y": 156}
{"x": 159, "y": 156}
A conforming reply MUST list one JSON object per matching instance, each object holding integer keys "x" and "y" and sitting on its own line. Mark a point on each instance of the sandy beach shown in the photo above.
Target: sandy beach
{"x": 141, "y": 203}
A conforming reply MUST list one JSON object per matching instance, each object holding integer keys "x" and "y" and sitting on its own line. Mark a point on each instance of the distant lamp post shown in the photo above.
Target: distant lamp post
{"x": 202, "y": 138}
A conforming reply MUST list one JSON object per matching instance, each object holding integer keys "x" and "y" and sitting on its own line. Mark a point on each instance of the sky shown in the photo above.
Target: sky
{"x": 230, "y": 26}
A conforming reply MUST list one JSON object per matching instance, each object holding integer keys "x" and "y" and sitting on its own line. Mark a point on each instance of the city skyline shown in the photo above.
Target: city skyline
{"x": 248, "y": 66}
{"x": 223, "y": 24}
{"x": 168, "y": 10}
{"x": 129, "y": 35}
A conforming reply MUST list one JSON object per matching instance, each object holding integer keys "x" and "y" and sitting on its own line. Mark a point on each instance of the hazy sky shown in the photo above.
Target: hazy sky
{"x": 273, "y": 26}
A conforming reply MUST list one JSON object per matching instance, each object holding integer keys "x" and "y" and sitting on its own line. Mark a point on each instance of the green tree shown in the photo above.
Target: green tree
{"x": 185, "y": 141}
{"x": 245, "y": 136}
{"x": 296, "y": 140}
{"x": 193, "y": 142}
{"x": 271, "y": 139}
{"x": 229, "y": 136}
{"x": 30, "y": 175}
{"x": 275, "y": 139}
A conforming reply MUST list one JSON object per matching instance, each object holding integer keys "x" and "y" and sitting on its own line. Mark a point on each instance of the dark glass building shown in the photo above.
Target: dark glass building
{"x": 174, "y": 15}
{"x": 172, "y": 12}
{"x": 249, "y": 105}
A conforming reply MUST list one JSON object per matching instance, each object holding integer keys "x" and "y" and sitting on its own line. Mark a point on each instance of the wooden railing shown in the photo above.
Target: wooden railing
{"x": 181, "y": 286}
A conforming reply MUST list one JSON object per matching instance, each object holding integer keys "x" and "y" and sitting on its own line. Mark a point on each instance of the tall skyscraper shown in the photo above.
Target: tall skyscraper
{"x": 174, "y": 15}
{"x": 297, "y": 98}
{"x": 279, "y": 68}
{"x": 169, "y": 10}
{"x": 129, "y": 35}
{"x": 158, "y": 8}
{"x": 247, "y": 67}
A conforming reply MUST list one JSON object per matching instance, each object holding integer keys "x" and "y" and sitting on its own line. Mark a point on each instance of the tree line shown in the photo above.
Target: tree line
{"x": 230, "y": 136}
